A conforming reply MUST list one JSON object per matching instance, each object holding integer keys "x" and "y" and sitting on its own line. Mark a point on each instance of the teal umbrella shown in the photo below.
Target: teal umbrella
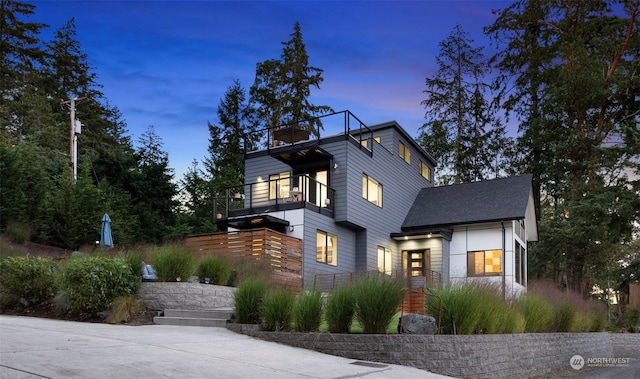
{"x": 105, "y": 234}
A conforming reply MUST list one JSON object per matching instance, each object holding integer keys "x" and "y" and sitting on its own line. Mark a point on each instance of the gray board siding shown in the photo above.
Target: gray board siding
{"x": 346, "y": 239}
{"x": 401, "y": 184}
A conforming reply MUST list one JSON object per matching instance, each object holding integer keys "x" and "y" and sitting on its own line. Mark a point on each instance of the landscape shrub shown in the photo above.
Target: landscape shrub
{"x": 628, "y": 319}
{"x": 538, "y": 313}
{"x": 247, "y": 300}
{"x": 91, "y": 283}
{"x": 492, "y": 308}
{"x": 217, "y": 269}
{"x": 123, "y": 308}
{"x": 307, "y": 311}
{"x": 18, "y": 232}
{"x": 134, "y": 261}
{"x": 580, "y": 323}
{"x": 173, "y": 263}
{"x": 597, "y": 321}
{"x": 460, "y": 306}
{"x": 378, "y": 298}
{"x": 512, "y": 321}
{"x": 243, "y": 269}
{"x": 276, "y": 310}
{"x": 340, "y": 309}
{"x": 565, "y": 315}
{"x": 28, "y": 278}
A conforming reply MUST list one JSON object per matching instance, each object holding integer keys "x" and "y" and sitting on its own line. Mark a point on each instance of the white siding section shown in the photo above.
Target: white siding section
{"x": 484, "y": 237}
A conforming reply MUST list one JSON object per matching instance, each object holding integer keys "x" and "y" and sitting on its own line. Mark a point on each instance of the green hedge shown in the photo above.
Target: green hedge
{"x": 93, "y": 282}
{"x": 28, "y": 278}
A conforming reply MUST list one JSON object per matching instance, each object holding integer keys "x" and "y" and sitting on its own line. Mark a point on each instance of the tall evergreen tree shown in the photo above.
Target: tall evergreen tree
{"x": 575, "y": 77}
{"x": 71, "y": 75}
{"x": 21, "y": 58}
{"x": 461, "y": 131}
{"x": 227, "y": 142}
{"x": 282, "y": 88}
{"x": 197, "y": 211}
{"x": 153, "y": 192}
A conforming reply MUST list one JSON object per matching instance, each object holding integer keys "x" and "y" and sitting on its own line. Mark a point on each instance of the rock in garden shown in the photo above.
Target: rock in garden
{"x": 414, "y": 323}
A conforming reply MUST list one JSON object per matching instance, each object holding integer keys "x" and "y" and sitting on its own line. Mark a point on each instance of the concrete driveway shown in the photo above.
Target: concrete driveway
{"x": 43, "y": 348}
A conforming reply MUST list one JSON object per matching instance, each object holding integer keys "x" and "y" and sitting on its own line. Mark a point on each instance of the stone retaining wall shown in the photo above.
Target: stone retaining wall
{"x": 626, "y": 345}
{"x": 192, "y": 296}
{"x": 463, "y": 356}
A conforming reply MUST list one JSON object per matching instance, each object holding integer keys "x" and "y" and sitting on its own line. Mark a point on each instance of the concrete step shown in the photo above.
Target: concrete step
{"x": 208, "y": 313}
{"x": 187, "y": 317}
{"x": 187, "y": 321}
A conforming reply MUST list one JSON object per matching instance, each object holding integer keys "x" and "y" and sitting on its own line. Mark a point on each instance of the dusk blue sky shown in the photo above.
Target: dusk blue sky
{"x": 168, "y": 63}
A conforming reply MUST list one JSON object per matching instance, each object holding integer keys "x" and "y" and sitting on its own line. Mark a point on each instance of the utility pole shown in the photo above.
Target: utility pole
{"x": 74, "y": 130}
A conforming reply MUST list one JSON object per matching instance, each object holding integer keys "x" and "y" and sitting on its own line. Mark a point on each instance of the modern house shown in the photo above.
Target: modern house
{"x": 362, "y": 199}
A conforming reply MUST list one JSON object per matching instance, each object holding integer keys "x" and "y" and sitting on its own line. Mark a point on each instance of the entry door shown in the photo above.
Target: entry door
{"x": 417, "y": 266}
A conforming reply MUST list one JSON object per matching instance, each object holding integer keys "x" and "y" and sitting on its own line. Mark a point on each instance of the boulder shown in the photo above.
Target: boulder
{"x": 414, "y": 323}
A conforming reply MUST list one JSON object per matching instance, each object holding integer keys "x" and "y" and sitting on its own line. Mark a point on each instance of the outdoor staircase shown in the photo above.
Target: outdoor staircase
{"x": 210, "y": 317}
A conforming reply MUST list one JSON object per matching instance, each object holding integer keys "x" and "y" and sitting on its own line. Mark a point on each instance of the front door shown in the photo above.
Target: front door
{"x": 416, "y": 265}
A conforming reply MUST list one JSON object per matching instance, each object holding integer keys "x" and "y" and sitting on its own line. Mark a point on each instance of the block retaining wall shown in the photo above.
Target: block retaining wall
{"x": 465, "y": 356}
{"x": 192, "y": 296}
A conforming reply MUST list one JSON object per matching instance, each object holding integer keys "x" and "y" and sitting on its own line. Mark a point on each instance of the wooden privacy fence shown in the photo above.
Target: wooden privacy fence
{"x": 284, "y": 253}
{"x": 634, "y": 295}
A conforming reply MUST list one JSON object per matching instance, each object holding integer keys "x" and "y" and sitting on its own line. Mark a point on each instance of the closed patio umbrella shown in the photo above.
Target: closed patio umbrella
{"x": 105, "y": 235}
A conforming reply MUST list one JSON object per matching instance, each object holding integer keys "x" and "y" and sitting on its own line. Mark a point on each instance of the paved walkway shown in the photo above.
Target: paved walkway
{"x": 42, "y": 348}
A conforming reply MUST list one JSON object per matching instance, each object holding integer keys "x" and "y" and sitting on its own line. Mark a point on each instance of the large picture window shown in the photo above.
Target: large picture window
{"x": 484, "y": 263}
{"x": 371, "y": 190}
{"x": 279, "y": 185}
{"x": 326, "y": 248}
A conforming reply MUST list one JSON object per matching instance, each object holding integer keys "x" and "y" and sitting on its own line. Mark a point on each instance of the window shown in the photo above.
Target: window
{"x": 279, "y": 185}
{"x": 326, "y": 248}
{"x": 519, "y": 266}
{"x": 384, "y": 260}
{"x": 484, "y": 263}
{"x": 425, "y": 171}
{"x": 372, "y": 190}
{"x": 365, "y": 142}
{"x": 404, "y": 152}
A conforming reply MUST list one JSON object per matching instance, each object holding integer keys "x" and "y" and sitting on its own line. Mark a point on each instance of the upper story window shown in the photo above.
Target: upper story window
{"x": 404, "y": 152}
{"x": 484, "y": 263}
{"x": 425, "y": 171}
{"x": 372, "y": 190}
{"x": 279, "y": 185}
{"x": 365, "y": 142}
{"x": 326, "y": 248}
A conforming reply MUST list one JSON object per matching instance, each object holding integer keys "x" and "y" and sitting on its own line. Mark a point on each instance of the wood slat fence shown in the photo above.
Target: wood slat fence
{"x": 284, "y": 253}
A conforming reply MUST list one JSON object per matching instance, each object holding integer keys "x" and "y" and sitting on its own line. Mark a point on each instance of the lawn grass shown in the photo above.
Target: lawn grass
{"x": 356, "y": 328}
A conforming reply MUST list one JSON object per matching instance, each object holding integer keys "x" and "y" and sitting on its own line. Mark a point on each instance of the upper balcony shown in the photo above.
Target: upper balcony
{"x": 303, "y": 134}
{"x": 249, "y": 205}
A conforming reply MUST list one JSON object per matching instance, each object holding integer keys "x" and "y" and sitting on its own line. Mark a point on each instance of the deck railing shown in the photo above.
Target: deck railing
{"x": 343, "y": 122}
{"x": 273, "y": 193}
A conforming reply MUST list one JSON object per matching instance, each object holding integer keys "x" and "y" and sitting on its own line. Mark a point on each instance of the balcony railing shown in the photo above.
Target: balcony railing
{"x": 300, "y": 191}
{"x": 338, "y": 123}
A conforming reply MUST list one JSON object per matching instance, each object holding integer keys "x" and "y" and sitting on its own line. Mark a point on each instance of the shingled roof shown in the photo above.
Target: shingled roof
{"x": 467, "y": 203}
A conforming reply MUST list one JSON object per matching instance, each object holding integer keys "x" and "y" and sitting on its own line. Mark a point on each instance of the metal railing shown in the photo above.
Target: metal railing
{"x": 343, "y": 122}
{"x": 326, "y": 282}
{"x": 301, "y": 189}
